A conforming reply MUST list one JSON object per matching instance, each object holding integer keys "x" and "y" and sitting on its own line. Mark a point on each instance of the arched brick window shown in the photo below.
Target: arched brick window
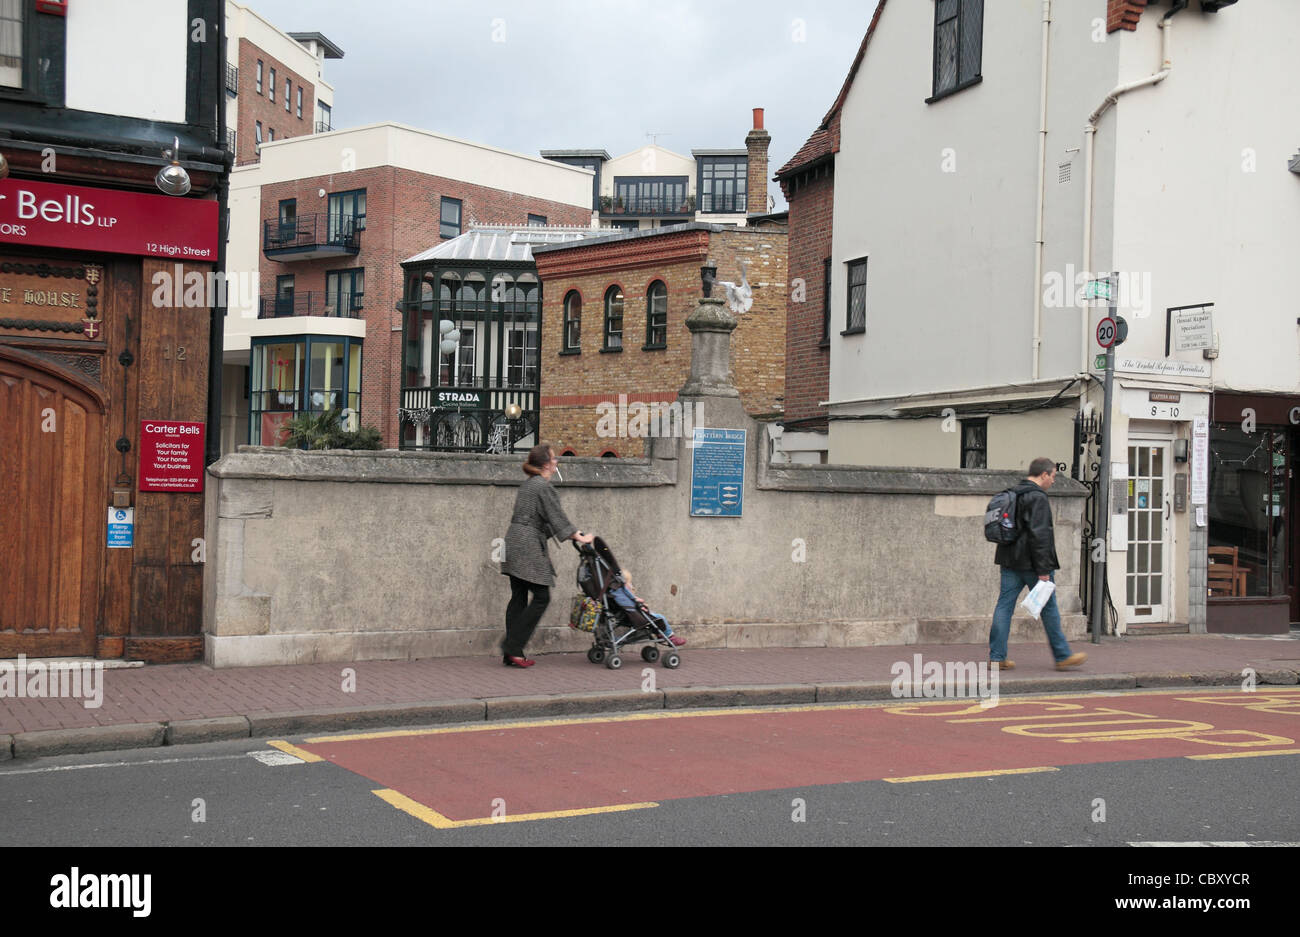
{"x": 656, "y": 315}
{"x": 613, "y": 319}
{"x": 572, "y": 322}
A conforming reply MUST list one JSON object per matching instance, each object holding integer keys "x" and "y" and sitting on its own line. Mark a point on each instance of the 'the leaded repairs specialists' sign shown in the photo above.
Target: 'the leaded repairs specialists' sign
{"x": 50, "y": 214}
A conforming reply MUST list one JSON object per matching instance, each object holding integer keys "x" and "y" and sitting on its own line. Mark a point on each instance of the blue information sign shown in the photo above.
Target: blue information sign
{"x": 718, "y": 472}
{"x": 121, "y": 527}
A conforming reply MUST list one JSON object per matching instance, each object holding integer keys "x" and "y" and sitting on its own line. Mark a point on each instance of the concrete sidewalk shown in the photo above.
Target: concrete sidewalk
{"x": 181, "y": 703}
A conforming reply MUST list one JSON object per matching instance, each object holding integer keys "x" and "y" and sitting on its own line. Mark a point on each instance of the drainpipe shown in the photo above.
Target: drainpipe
{"x": 1089, "y": 137}
{"x": 1041, "y": 194}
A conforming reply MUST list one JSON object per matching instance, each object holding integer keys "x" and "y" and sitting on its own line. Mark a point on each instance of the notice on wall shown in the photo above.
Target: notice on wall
{"x": 121, "y": 528}
{"x": 1200, "y": 459}
{"x": 171, "y": 455}
{"x": 718, "y": 472}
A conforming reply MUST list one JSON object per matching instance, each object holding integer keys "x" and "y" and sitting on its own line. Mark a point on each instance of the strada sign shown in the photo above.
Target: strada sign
{"x": 47, "y": 214}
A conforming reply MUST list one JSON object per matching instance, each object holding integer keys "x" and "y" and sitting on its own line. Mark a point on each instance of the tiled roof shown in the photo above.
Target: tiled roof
{"x": 825, "y": 140}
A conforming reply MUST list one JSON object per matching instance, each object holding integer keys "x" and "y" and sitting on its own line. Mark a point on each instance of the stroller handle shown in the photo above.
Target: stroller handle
{"x": 583, "y": 547}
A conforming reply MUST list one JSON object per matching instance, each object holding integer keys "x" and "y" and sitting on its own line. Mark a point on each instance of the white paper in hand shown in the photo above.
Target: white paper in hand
{"x": 1038, "y": 597}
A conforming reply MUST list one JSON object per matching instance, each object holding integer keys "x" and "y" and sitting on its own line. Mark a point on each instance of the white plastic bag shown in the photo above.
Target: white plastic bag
{"x": 1038, "y": 597}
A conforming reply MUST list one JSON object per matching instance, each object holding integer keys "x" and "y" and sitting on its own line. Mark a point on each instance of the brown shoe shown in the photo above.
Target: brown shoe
{"x": 1003, "y": 664}
{"x": 1074, "y": 660}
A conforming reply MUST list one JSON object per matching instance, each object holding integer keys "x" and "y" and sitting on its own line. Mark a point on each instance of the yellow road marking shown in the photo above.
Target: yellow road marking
{"x": 595, "y": 718}
{"x": 966, "y": 774}
{"x": 435, "y": 819}
{"x": 1288, "y": 751}
{"x": 294, "y": 750}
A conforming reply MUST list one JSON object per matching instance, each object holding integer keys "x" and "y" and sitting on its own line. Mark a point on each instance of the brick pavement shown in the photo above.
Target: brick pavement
{"x": 174, "y": 692}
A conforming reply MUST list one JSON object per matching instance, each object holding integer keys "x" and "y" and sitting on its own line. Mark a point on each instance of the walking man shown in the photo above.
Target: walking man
{"x": 1031, "y": 558}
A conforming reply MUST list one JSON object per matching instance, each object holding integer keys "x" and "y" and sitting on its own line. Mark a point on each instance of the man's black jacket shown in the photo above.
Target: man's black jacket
{"x": 1035, "y": 549}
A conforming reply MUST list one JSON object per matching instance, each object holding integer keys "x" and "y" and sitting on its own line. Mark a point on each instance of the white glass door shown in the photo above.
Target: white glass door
{"x": 1149, "y": 512}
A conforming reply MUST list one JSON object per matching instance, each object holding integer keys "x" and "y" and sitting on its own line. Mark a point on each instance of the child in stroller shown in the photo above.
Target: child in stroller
{"x": 623, "y": 617}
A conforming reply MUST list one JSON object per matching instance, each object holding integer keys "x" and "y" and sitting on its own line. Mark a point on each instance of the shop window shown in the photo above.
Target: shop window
{"x": 308, "y": 374}
{"x": 1248, "y": 477}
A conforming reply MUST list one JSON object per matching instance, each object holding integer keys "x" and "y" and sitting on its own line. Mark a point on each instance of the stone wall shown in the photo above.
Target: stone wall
{"x": 358, "y": 556}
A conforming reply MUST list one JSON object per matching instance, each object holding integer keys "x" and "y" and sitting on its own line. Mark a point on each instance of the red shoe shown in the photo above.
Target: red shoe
{"x": 677, "y": 640}
{"x": 517, "y": 661}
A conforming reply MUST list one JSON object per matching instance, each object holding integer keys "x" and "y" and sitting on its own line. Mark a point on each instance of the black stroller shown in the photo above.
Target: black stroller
{"x": 617, "y": 624}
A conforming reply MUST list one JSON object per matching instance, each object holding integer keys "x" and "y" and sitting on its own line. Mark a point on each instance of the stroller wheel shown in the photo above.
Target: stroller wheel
{"x": 672, "y": 660}
{"x": 613, "y": 662}
{"x": 650, "y": 654}
{"x": 596, "y": 654}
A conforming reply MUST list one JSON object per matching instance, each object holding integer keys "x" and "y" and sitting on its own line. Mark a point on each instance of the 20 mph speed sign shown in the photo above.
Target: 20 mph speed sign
{"x": 1106, "y": 332}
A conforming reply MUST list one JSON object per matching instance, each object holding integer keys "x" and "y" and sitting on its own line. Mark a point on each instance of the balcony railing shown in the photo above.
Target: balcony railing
{"x": 312, "y": 303}
{"x": 308, "y": 237}
{"x": 323, "y": 126}
{"x": 232, "y": 79}
{"x": 651, "y": 206}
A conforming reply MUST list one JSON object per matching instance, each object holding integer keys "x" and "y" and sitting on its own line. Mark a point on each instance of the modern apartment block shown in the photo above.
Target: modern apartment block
{"x": 275, "y": 85}
{"x": 319, "y": 229}
{"x": 983, "y": 199}
{"x": 654, "y": 187}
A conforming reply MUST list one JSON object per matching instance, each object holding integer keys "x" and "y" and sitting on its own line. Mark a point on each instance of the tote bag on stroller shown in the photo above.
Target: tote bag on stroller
{"x": 584, "y": 613}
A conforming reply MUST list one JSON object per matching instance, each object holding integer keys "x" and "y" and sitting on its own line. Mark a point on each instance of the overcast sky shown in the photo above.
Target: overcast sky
{"x": 527, "y": 75}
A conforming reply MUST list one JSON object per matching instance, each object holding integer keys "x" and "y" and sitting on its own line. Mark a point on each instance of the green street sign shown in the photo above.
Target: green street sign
{"x": 1099, "y": 363}
{"x": 1099, "y": 289}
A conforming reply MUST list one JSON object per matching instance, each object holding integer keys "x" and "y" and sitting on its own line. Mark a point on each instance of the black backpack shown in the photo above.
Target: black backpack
{"x": 1002, "y": 519}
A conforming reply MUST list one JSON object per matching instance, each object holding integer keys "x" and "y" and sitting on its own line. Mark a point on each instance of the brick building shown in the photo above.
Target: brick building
{"x": 325, "y": 222}
{"x": 808, "y": 182}
{"x": 613, "y": 323}
{"x": 275, "y": 89}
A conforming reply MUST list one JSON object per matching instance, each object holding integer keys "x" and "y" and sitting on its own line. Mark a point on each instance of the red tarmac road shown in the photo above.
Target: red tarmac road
{"x": 582, "y": 764}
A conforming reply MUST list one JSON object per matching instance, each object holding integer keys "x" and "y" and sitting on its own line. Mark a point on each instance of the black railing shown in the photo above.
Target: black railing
{"x": 723, "y": 204}
{"x": 314, "y": 230}
{"x": 652, "y": 206}
{"x": 311, "y": 303}
{"x": 232, "y": 79}
{"x": 323, "y": 126}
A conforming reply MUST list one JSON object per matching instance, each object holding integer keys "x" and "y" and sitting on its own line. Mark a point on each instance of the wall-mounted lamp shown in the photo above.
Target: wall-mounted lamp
{"x": 708, "y": 273}
{"x": 1180, "y": 450}
{"x": 173, "y": 179}
{"x": 514, "y": 411}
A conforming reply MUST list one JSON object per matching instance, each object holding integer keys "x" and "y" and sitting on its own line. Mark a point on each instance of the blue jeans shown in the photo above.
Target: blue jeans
{"x": 1013, "y": 582}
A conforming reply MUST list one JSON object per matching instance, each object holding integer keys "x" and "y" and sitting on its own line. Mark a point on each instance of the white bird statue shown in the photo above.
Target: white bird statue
{"x": 739, "y": 298}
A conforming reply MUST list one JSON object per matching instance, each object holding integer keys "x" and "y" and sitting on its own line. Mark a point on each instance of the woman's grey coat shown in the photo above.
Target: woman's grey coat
{"x": 537, "y": 516}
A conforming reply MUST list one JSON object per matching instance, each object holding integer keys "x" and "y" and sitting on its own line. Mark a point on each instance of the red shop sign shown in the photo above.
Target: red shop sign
{"x": 46, "y": 214}
{"x": 171, "y": 455}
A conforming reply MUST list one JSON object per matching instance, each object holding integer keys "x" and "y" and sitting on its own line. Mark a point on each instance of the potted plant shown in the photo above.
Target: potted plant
{"x": 605, "y": 203}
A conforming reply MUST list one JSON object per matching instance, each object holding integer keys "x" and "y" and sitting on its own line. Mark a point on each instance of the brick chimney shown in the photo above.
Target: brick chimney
{"x": 756, "y": 142}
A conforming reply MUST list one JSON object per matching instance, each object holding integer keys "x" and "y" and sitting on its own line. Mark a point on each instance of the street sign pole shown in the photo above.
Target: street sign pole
{"x": 1102, "y": 531}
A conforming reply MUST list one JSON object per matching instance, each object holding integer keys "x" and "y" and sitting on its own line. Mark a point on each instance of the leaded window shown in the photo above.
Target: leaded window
{"x": 856, "y": 316}
{"x": 958, "y": 44}
{"x": 975, "y": 443}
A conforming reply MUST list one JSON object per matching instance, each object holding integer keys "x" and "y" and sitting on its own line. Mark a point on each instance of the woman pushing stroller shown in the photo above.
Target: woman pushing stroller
{"x": 537, "y": 517}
